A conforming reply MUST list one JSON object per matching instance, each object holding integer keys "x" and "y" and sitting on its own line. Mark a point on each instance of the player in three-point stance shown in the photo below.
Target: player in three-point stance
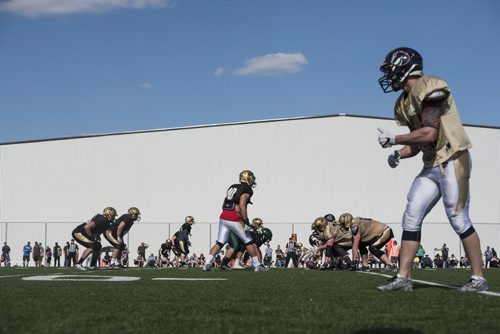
{"x": 427, "y": 107}
{"x": 117, "y": 230}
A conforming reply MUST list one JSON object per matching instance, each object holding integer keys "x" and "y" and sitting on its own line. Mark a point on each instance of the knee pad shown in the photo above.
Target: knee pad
{"x": 376, "y": 252}
{"x": 412, "y": 235}
{"x": 339, "y": 251}
{"x": 363, "y": 250}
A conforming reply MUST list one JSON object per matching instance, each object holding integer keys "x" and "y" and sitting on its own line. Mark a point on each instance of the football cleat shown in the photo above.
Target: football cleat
{"x": 225, "y": 267}
{"x": 80, "y": 267}
{"x": 261, "y": 268}
{"x": 475, "y": 285}
{"x": 391, "y": 269}
{"x": 399, "y": 283}
{"x": 207, "y": 267}
{"x": 237, "y": 265}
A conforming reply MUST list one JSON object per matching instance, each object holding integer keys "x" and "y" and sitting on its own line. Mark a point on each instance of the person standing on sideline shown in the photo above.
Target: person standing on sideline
{"x": 444, "y": 255}
{"x": 488, "y": 256}
{"x": 57, "y": 252}
{"x": 72, "y": 253}
{"x": 291, "y": 253}
{"x": 26, "y": 254}
{"x": 6, "y": 254}
{"x": 427, "y": 107}
{"x": 234, "y": 218}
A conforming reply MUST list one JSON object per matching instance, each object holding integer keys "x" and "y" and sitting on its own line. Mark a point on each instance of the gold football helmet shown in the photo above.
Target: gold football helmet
{"x": 168, "y": 242}
{"x": 300, "y": 245}
{"x": 134, "y": 213}
{"x": 248, "y": 177}
{"x": 109, "y": 213}
{"x": 257, "y": 223}
{"x": 319, "y": 224}
{"x": 345, "y": 220}
{"x": 189, "y": 220}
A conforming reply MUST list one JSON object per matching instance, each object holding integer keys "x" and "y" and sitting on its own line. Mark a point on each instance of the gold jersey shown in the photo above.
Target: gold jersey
{"x": 368, "y": 229}
{"x": 452, "y": 137}
{"x": 340, "y": 235}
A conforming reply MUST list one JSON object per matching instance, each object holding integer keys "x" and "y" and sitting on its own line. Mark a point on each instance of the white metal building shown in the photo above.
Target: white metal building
{"x": 305, "y": 168}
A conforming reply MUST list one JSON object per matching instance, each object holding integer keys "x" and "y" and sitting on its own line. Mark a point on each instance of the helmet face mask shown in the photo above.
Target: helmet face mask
{"x": 248, "y": 177}
{"x": 135, "y": 213}
{"x": 399, "y": 65}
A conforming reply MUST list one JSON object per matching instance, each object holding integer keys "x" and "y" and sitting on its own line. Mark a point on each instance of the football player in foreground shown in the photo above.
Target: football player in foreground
{"x": 234, "y": 217}
{"x": 118, "y": 229}
{"x": 427, "y": 107}
{"x": 368, "y": 233}
{"x": 89, "y": 235}
{"x": 181, "y": 242}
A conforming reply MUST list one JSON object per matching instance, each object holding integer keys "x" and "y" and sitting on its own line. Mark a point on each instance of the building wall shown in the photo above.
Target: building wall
{"x": 304, "y": 167}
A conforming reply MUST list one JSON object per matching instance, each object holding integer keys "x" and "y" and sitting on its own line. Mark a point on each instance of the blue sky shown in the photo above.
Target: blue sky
{"x": 97, "y": 66}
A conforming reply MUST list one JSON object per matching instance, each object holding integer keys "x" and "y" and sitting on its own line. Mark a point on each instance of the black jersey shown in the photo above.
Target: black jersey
{"x": 184, "y": 232}
{"x": 127, "y": 219}
{"x": 165, "y": 249}
{"x": 234, "y": 193}
{"x": 101, "y": 224}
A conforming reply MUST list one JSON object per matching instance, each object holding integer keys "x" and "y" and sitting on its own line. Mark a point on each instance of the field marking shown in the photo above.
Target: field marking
{"x": 488, "y": 293}
{"x": 80, "y": 278}
{"x": 13, "y": 275}
{"x": 188, "y": 279}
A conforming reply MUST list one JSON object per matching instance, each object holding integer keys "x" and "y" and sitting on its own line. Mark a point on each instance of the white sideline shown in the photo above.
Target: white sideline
{"x": 188, "y": 279}
{"x": 488, "y": 293}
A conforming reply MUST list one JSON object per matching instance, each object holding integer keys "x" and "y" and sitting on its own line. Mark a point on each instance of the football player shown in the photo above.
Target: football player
{"x": 369, "y": 233}
{"x": 117, "y": 230}
{"x": 89, "y": 236}
{"x": 234, "y": 217}
{"x": 335, "y": 240}
{"x": 181, "y": 241}
{"x": 427, "y": 107}
{"x": 236, "y": 247}
{"x": 164, "y": 253}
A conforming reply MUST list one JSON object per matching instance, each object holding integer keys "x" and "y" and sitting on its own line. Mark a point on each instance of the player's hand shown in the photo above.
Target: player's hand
{"x": 393, "y": 159}
{"x": 385, "y": 138}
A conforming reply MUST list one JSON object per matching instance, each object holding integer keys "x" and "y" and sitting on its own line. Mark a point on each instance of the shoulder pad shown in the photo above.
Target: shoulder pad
{"x": 437, "y": 95}
{"x": 354, "y": 229}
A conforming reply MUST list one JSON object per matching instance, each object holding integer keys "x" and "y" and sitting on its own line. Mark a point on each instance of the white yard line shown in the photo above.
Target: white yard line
{"x": 188, "y": 279}
{"x": 488, "y": 293}
{"x": 13, "y": 275}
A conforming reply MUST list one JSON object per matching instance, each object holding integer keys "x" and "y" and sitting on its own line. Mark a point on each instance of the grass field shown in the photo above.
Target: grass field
{"x": 279, "y": 301}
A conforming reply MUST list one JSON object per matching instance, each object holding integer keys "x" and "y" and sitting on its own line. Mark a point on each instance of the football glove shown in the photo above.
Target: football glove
{"x": 385, "y": 138}
{"x": 393, "y": 159}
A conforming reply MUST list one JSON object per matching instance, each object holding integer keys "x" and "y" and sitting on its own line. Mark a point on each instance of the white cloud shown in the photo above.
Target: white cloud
{"x": 147, "y": 85}
{"x": 219, "y": 71}
{"x": 34, "y": 8}
{"x": 276, "y": 63}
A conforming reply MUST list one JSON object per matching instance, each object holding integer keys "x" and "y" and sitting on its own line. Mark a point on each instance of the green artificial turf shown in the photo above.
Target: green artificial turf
{"x": 279, "y": 301}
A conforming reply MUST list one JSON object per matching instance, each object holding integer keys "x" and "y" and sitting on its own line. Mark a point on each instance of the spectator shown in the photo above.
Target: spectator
{"x": 444, "y": 255}
{"x": 426, "y": 262}
{"x": 438, "y": 261}
{"x": 291, "y": 253}
{"x": 268, "y": 257}
{"x": 453, "y": 261}
{"x": 42, "y": 254}
{"x": 27, "y": 249}
{"x": 48, "y": 256}
{"x": 6, "y": 254}
{"x": 494, "y": 263}
{"x": 394, "y": 252}
{"x": 37, "y": 254}
{"x": 201, "y": 260}
{"x": 57, "y": 252}
{"x": 420, "y": 253}
{"x": 193, "y": 260}
{"x": 488, "y": 255}
{"x": 139, "y": 261}
{"x": 67, "y": 259}
{"x": 416, "y": 262}
{"x": 106, "y": 259}
{"x": 373, "y": 261}
{"x": 280, "y": 257}
{"x": 151, "y": 260}
{"x": 72, "y": 253}
{"x": 464, "y": 262}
